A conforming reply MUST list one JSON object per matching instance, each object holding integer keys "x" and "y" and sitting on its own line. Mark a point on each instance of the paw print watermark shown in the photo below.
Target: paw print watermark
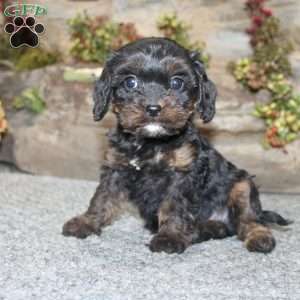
{"x": 24, "y": 32}
{"x": 24, "y": 29}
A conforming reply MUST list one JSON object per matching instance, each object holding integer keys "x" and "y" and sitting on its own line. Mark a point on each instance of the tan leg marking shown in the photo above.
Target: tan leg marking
{"x": 256, "y": 236}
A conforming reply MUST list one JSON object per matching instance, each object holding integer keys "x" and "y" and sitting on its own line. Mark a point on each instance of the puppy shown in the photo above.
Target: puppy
{"x": 159, "y": 163}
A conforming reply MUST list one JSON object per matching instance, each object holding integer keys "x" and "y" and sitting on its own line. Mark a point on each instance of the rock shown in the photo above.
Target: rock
{"x": 228, "y": 44}
{"x": 221, "y": 24}
{"x": 276, "y": 170}
{"x": 61, "y": 140}
{"x": 81, "y": 75}
{"x": 7, "y": 149}
{"x": 263, "y": 96}
{"x": 233, "y": 123}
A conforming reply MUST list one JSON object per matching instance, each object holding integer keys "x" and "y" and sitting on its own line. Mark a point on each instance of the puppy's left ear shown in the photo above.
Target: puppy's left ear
{"x": 102, "y": 95}
{"x": 207, "y": 90}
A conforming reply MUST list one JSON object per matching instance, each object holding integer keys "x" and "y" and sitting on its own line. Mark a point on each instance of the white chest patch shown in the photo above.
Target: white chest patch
{"x": 154, "y": 129}
{"x": 220, "y": 215}
{"x": 158, "y": 157}
{"x": 135, "y": 163}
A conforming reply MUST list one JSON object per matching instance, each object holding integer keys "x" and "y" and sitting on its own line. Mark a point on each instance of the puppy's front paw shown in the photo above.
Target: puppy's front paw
{"x": 78, "y": 227}
{"x": 260, "y": 242}
{"x": 168, "y": 244}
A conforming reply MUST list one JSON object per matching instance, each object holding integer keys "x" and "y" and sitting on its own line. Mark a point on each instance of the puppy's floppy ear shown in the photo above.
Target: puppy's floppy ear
{"x": 102, "y": 95}
{"x": 207, "y": 90}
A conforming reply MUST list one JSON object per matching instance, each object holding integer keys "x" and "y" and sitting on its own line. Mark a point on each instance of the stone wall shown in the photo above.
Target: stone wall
{"x": 64, "y": 141}
{"x": 220, "y": 23}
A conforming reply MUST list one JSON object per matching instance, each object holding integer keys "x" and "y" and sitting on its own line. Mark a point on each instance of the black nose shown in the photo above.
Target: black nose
{"x": 153, "y": 110}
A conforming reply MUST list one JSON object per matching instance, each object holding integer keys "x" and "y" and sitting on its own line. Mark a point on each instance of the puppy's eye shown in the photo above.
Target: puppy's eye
{"x": 176, "y": 84}
{"x": 131, "y": 82}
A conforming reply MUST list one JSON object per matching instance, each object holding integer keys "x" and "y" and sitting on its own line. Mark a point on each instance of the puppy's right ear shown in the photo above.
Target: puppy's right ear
{"x": 207, "y": 90}
{"x": 102, "y": 95}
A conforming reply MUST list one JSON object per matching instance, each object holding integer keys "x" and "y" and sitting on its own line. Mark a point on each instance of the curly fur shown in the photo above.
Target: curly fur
{"x": 185, "y": 191}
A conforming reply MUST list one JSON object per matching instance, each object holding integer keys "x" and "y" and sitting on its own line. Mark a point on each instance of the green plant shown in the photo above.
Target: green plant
{"x": 36, "y": 58}
{"x": 173, "y": 28}
{"x": 31, "y": 100}
{"x": 93, "y": 39}
{"x": 25, "y": 58}
{"x": 250, "y": 74}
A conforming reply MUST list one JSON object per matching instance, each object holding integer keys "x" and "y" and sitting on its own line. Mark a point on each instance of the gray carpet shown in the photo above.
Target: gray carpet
{"x": 37, "y": 262}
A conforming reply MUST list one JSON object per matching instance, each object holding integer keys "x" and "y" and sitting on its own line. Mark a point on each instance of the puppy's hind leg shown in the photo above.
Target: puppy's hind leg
{"x": 246, "y": 209}
{"x": 105, "y": 206}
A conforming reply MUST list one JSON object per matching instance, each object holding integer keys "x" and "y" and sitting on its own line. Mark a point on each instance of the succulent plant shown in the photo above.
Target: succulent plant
{"x": 282, "y": 114}
{"x": 175, "y": 29}
{"x": 31, "y": 100}
{"x": 93, "y": 39}
{"x": 268, "y": 68}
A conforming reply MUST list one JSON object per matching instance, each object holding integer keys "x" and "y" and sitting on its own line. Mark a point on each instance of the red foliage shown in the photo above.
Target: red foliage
{"x": 258, "y": 14}
{"x": 127, "y": 33}
{"x": 272, "y": 137}
{"x": 251, "y": 30}
{"x": 266, "y": 12}
{"x": 257, "y": 20}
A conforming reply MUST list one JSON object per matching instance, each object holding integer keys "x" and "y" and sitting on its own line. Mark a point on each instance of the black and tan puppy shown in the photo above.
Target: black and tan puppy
{"x": 158, "y": 162}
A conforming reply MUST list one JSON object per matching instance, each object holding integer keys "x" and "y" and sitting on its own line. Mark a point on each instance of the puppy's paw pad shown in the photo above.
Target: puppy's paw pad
{"x": 77, "y": 227}
{"x": 263, "y": 243}
{"x": 163, "y": 243}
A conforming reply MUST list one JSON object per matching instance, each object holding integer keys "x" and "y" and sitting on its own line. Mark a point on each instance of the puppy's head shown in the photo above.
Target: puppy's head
{"x": 154, "y": 86}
